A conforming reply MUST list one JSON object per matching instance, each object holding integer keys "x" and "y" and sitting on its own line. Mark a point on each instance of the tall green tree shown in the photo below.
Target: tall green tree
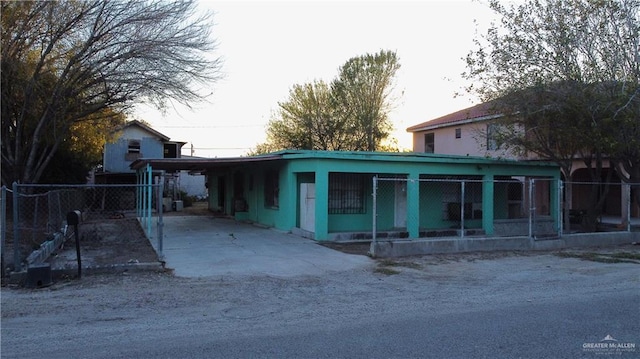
{"x": 566, "y": 76}
{"x": 63, "y": 61}
{"x": 309, "y": 119}
{"x": 364, "y": 87}
{"x": 349, "y": 114}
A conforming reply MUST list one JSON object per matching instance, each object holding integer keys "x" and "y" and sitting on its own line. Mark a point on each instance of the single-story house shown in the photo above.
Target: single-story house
{"x": 327, "y": 194}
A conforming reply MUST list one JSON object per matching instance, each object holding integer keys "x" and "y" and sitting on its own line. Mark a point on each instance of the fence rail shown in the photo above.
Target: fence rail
{"x": 32, "y": 215}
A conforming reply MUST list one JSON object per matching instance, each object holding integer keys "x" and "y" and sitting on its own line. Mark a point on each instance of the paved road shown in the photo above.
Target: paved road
{"x": 540, "y": 306}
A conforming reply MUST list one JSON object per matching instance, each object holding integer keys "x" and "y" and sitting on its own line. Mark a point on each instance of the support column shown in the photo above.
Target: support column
{"x": 322, "y": 205}
{"x": 487, "y": 204}
{"x": 288, "y": 200}
{"x": 413, "y": 205}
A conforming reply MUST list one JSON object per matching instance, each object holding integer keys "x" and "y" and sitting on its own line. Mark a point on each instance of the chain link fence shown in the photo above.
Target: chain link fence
{"x": 601, "y": 207}
{"x": 538, "y": 208}
{"x": 34, "y": 216}
{"x": 455, "y": 207}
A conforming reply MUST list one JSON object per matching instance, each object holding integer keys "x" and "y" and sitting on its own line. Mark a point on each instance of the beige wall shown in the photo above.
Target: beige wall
{"x": 472, "y": 141}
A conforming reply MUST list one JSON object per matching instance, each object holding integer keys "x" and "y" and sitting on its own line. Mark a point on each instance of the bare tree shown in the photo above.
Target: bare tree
{"x": 65, "y": 60}
{"x": 566, "y": 75}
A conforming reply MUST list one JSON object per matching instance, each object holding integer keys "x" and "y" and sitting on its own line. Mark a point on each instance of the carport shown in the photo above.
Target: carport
{"x": 208, "y": 246}
{"x": 148, "y": 172}
{"x": 214, "y": 246}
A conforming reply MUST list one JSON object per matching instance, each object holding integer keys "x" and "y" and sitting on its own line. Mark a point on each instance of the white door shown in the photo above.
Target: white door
{"x": 400, "y": 218}
{"x": 308, "y": 207}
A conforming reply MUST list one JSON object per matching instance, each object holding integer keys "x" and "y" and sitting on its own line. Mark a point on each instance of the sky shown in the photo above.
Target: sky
{"x": 268, "y": 47}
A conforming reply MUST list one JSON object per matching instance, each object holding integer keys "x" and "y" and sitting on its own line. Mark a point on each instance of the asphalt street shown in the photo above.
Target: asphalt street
{"x": 533, "y": 306}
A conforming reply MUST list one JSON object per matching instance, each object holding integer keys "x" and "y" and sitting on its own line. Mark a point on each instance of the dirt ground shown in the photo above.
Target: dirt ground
{"x": 120, "y": 241}
{"x": 106, "y": 242}
{"x": 115, "y": 241}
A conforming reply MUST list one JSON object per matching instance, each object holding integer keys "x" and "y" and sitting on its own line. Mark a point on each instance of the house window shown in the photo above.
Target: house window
{"x": 271, "y": 189}
{"x": 133, "y": 150}
{"x": 171, "y": 150}
{"x": 346, "y": 193}
{"x": 134, "y": 146}
{"x": 492, "y": 137}
{"x": 458, "y": 133}
{"x": 429, "y": 143}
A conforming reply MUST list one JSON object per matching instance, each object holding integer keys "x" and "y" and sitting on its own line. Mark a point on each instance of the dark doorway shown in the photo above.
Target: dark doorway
{"x": 221, "y": 193}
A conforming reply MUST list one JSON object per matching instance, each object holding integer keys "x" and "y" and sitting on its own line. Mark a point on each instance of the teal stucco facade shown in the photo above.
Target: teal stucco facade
{"x": 321, "y": 193}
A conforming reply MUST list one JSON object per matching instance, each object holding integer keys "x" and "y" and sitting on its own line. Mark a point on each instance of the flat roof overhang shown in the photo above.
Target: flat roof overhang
{"x": 205, "y": 164}
{"x": 197, "y": 164}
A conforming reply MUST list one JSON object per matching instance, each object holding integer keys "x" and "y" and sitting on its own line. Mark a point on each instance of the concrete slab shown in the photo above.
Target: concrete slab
{"x": 421, "y": 246}
{"x": 204, "y": 246}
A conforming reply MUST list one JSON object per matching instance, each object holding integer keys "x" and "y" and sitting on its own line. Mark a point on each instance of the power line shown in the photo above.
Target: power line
{"x": 221, "y": 148}
{"x": 213, "y": 127}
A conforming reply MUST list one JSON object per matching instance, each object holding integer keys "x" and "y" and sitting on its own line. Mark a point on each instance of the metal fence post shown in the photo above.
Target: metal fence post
{"x": 34, "y": 224}
{"x": 375, "y": 215}
{"x": 149, "y": 191}
{"x": 462, "y": 209}
{"x": 138, "y": 198}
{"x": 3, "y": 225}
{"x": 16, "y": 230}
{"x": 531, "y": 207}
{"x": 160, "y": 191}
{"x": 628, "y": 204}
{"x": 560, "y": 207}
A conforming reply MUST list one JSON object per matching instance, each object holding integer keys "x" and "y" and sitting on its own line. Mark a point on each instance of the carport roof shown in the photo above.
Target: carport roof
{"x": 196, "y": 164}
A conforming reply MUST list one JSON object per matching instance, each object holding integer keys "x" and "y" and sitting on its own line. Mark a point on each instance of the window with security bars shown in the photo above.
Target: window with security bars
{"x": 346, "y": 193}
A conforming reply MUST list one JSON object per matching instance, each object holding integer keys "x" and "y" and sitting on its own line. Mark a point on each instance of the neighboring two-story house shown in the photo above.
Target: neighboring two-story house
{"x": 136, "y": 140}
{"x": 468, "y": 132}
{"x": 463, "y": 133}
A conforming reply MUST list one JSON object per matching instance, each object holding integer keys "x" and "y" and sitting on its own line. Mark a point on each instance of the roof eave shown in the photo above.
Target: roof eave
{"x": 421, "y": 128}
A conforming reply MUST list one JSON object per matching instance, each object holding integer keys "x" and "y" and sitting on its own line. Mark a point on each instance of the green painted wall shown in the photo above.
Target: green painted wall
{"x": 296, "y": 167}
{"x": 431, "y": 212}
{"x": 386, "y": 206}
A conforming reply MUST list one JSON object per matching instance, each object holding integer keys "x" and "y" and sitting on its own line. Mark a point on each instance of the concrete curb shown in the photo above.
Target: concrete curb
{"x": 412, "y": 247}
{"x": 19, "y": 278}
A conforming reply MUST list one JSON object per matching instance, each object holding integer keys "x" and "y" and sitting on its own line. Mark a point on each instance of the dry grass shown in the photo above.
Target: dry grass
{"x": 616, "y": 257}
